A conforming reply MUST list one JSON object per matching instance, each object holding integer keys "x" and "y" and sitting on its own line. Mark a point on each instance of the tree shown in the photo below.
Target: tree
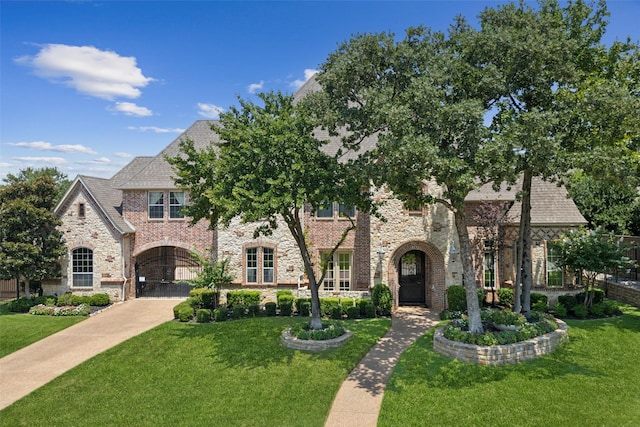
{"x": 426, "y": 106}
{"x": 30, "y": 175}
{"x": 592, "y": 252}
{"x": 611, "y": 204}
{"x": 30, "y": 243}
{"x": 267, "y": 167}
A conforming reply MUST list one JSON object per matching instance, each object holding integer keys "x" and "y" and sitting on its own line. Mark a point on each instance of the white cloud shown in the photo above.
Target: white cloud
{"x": 98, "y": 161}
{"x": 156, "y": 129}
{"x": 254, "y": 87}
{"x": 123, "y": 155}
{"x": 131, "y": 109}
{"x": 210, "y": 111}
{"x": 46, "y": 146}
{"x": 308, "y": 73}
{"x": 89, "y": 70}
{"x": 43, "y": 160}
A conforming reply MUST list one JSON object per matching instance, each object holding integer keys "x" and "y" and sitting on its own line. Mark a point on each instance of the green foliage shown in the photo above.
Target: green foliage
{"x": 213, "y": 273}
{"x": 597, "y": 309}
{"x": 205, "y": 297}
{"x": 253, "y": 310}
{"x": 100, "y": 300}
{"x": 505, "y": 295}
{"x": 238, "y": 311}
{"x": 286, "y": 298}
{"x": 327, "y": 305}
{"x": 286, "y": 308}
{"x": 184, "y": 311}
{"x": 336, "y": 313}
{"x": 245, "y": 298}
{"x": 560, "y": 310}
{"x": 303, "y": 306}
{"x": 456, "y": 298}
{"x": 353, "y": 312}
{"x": 369, "y": 310}
{"x": 598, "y": 296}
{"x": 221, "y": 314}
{"x": 381, "y": 299}
{"x": 329, "y": 331}
{"x": 568, "y": 301}
{"x": 346, "y": 303}
{"x": 580, "y": 311}
{"x": 286, "y": 293}
{"x": 44, "y": 310}
{"x": 270, "y": 309}
{"x": 20, "y": 305}
{"x": 203, "y": 315}
{"x": 504, "y": 317}
{"x": 65, "y": 299}
{"x": 540, "y": 306}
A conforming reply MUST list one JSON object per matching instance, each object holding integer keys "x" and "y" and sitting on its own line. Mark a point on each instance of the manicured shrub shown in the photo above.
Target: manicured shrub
{"x": 177, "y": 308}
{"x": 185, "y": 312}
{"x": 353, "y": 312}
{"x": 286, "y": 299}
{"x": 611, "y": 307}
{"x": 205, "y": 298}
{"x": 253, "y": 310}
{"x": 238, "y": 311}
{"x": 242, "y": 298}
{"x": 539, "y": 306}
{"x": 456, "y": 298}
{"x": 345, "y": 303}
{"x": 283, "y": 293}
{"x": 270, "y": 309}
{"x": 286, "y": 308}
{"x": 336, "y": 313}
{"x": 362, "y": 304}
{"x": 100, "y": 300}
{"x": 51, "y": 301}
{"x": 369, "y": 310}
{"x": 505, "y": 295}
{"x": 537, "y": 297}
{"x": 20, "y": 305}
{"x": 568, "y": 300}
{"x": 598, "y": 296}
{"x": 381, "y": 298}
{"x": 203, "y": 315}
{"x": 65, "y": 299}
{"x": 597, "y": 310}
{"x": 221, "y": 314}
{"x": 580, "y": 311}
{"x": 327, "y": 305}
{"x": 303, "y": 306}
{"x": 560, "y": 310}
{"x": 329, "y": 330}
{"x": 80, "y": 299}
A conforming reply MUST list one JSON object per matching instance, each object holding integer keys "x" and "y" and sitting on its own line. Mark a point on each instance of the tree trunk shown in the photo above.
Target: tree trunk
{"x": 525, "y": 226}
{"x": 471, "y": 290}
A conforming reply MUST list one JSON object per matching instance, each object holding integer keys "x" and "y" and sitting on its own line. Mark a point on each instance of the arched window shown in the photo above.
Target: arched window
{"x": 82, "y": 259}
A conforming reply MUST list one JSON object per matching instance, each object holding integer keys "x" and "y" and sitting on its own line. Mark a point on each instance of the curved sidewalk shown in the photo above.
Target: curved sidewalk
{"x": 31, "y": 367}
{"x": 359, "y": 399}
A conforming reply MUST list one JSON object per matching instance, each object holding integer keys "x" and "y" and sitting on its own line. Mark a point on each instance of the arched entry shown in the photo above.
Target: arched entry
{"x": 164, "y": 271}
{"x": 411, "y": 278}
{"x": 419, "y": 266}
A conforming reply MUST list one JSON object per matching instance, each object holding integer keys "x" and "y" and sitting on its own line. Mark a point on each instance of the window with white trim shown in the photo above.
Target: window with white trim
{"x": 555, "y": 274}
{"x": 330, "y": 209}
{"x": 260, "y": 265}
{"x": 82, "y": 267}
{"x": 338, "y": 277}
{"x": 176, "y": 203}
{"x": 489, "y": 265}
{"x": 156, "y": 204}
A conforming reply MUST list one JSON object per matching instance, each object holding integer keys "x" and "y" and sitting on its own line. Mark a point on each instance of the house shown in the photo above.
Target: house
{"x": 126, "y": 236}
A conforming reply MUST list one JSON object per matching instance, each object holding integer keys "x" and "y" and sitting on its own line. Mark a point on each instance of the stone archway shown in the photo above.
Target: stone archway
{"x": 434, "y": 278}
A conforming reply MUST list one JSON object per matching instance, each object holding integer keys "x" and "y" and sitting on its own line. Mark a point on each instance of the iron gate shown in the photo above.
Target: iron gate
{"x": 164, "y": 272}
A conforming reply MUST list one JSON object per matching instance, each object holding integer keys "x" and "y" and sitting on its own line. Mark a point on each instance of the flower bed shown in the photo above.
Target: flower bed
{"x": 501, "y": 354}
{"x": 69, "y": 310}
{"x": 300, "y": 337}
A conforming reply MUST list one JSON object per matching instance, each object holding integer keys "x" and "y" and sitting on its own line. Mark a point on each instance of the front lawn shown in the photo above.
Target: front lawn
{"x": 594, "y": 380}
{"x": 233, "y": 373}
{"x": 18, "y": 330}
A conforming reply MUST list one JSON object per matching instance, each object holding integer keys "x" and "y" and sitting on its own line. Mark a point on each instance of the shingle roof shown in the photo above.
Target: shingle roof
{"x": 157, "y": 173}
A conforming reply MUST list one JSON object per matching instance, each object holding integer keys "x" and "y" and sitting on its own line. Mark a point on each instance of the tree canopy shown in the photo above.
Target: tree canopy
{"x": 267, "y": 168}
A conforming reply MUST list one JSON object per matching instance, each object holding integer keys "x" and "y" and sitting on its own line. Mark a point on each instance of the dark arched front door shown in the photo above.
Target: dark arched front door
{"x": 411, "y": 278}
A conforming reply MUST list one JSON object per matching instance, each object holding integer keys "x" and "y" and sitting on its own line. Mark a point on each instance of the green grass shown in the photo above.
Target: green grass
{"x": 233, "y": 374}
{"x": 18, "y": 330}
{"x": 594, "y": 380}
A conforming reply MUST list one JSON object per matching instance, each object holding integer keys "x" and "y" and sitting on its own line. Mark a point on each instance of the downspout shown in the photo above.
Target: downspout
{"x": 124, "y": 269}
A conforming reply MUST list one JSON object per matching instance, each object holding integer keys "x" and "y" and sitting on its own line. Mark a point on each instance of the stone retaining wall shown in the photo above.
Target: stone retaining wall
{"x": 501, "y": 354}
{"x": 313, "y": 345}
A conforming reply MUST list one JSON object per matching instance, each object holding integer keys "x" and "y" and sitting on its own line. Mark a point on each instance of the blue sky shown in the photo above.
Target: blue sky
{"x": 87, "y": 85}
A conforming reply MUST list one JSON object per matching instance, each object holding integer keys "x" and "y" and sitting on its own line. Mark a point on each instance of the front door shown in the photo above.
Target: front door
{"x": 411, "y": 278}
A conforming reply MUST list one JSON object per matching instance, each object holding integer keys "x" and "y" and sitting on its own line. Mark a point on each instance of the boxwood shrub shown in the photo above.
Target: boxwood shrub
{"x": 286, "y": 293}
{"x": 185, "y": 312}
{"x": 238, "y": 311}
{"x": 353, "y": 312}
{"x": 65, "y": 299}
{"x": 336, "y": 313}
{"x": 381, "y": 298}
{"x": 203, "y": 315}
{"x": 245, "y": 298}
{"x": 253, "y": 310}
{"x": 221, "y": 314}
{"x": 303, "y": 306}
{"x": 270, "y": 309}
{"x": 327, "y": 305}
{"x": 286, "y": 308}
{"x": 100, "y": 300}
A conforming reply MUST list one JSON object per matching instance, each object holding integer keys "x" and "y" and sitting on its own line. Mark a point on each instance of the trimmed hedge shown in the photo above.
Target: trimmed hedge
{"x": 221, "y": 314}
{"x": 270, "y": 309}
{"x": 203, "y": 315}
{"x": 205, "y": 297}
{"x": 381, "y": 298}
{"x": 245, "y": 298}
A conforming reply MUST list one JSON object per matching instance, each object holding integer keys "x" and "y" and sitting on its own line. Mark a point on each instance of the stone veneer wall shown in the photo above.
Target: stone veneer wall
{"x": 501, "y": 354}
{"x": 625, "y": 293}
{"x": 432, "y": 230}
{"x": 92, "y": 232}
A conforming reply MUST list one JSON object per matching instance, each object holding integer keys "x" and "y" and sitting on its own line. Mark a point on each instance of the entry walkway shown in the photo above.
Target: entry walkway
{"x": 31, "y": 367}
{"x": 359, "y": 399}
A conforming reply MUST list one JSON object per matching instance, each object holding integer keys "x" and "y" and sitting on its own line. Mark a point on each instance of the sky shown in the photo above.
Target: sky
{"x": 85, "y": 86}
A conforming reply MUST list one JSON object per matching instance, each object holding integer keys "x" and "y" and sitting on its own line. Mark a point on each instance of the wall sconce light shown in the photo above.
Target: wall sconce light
{"x": 453, "y": 252}
{"x": 381, "y": 252}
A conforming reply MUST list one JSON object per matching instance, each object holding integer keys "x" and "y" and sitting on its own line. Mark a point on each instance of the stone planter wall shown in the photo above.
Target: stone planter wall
{"x": 313, "y": 345}
{"x": 628, "y": 293}
{"x": 501, "y": 354}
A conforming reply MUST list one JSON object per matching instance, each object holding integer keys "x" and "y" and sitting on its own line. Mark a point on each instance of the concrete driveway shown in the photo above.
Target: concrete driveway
{"x": 31, "y": 367}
